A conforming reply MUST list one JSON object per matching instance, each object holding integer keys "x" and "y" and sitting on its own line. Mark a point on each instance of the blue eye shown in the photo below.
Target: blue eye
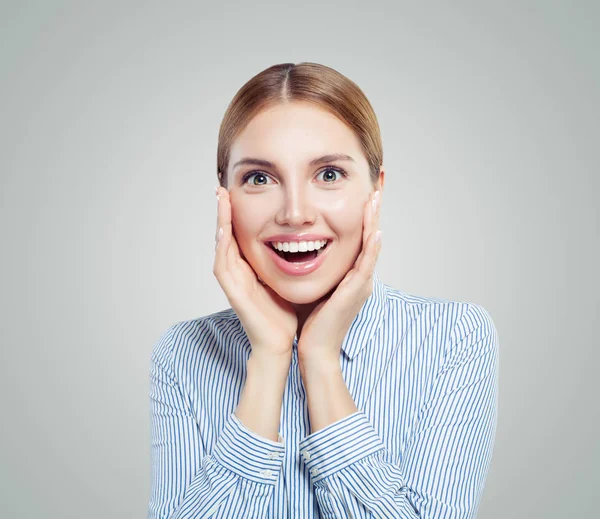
{"x": 252, "y": 174}
{"x": 339, "y": 171}
{"x": 260, "y": 174}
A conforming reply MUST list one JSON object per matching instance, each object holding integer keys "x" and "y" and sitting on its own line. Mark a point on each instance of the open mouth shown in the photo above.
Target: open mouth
{"x": 300, "y": 256}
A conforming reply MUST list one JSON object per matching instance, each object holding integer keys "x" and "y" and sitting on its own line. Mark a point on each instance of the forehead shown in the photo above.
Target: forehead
{"x": 295, "y": 132}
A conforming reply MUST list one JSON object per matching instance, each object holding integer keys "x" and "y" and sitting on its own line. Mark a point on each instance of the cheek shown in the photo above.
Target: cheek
{"x": 346, "y": 219}
{"x": 246, "y": 220}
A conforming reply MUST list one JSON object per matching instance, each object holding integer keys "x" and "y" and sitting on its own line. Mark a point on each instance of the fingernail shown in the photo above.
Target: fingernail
{"x": 378, "y": 236}
{"x": 220, "y": 233}
{"x": 216, "y": 190}
{"x": 375, "y": 201}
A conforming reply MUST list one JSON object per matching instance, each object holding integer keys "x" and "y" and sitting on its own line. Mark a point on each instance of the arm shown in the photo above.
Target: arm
{"x": 259, "y": 407}
{"x": 445, "y": 463}
{"x": 236, "y": 479}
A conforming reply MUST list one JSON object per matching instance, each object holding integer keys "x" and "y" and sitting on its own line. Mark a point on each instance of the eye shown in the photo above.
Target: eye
{"x": 338, "y": 171}
{"x": 329, "y": 179}
{"x": 256, "y": 174}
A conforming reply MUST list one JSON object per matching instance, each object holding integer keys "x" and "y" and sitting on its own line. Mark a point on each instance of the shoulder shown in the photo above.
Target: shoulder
{"x": 448, "y": 324}
{"x": 184, "y": 341}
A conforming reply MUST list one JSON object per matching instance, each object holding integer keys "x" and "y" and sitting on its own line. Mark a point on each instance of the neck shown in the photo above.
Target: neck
{"x": 304, "y": 310}
{"x": 302, "y": 313}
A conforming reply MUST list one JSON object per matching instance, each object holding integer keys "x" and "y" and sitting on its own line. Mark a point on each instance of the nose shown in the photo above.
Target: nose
{"x": 297, "y": 208}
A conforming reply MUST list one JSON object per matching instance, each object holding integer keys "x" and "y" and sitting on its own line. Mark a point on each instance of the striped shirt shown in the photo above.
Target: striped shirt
{"x": 423, "y": 373}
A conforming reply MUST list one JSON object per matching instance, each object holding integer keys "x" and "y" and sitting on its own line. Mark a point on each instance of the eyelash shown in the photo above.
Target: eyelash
{"x": 255, "y": 172}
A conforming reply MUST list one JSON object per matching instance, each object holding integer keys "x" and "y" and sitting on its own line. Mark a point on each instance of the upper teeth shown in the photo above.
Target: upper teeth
{"x": 298, "y": 246}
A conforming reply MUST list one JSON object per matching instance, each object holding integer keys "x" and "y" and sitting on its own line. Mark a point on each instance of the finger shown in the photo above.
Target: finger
{"x": 364, "y": 265}
{"x": 222, "y": 233}
{"x": 359, "y": 260}
{"x": 233, "y": 251}
{"x": 374, "y": 228}
{"x": 223, "y": 244}
{"x": 370, "y": 223}
{"x": 369, "y": 259}
{"x": 367, "y": 220}
{"x": 376, "y": 204}
{"x": 377, "y": 227}
{"x": 219, "y": 194}
{"x": 219, "y": 222}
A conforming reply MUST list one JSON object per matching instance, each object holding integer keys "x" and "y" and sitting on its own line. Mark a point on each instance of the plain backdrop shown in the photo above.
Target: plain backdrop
{"x": 109, "y": 114}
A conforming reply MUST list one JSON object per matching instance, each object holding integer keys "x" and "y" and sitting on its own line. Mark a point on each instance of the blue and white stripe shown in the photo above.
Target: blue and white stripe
{"x": 423, "y": 373}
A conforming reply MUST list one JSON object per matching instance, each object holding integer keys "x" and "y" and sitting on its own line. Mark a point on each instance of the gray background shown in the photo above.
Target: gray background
{"x": 109, "y": 116}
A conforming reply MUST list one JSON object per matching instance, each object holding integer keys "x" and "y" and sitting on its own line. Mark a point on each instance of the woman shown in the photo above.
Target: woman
{"x": 321, "y": 392}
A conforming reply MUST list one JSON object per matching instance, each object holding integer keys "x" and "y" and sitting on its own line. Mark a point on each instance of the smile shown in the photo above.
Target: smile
{"x": 301, "y": 262}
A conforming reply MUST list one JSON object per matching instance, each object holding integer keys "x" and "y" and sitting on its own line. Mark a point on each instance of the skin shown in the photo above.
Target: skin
{"x": 295, "y": 197}
{"x": 292, "y": 196}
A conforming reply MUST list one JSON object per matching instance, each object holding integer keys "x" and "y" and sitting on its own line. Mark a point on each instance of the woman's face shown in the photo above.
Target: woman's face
{"x": 294, "y": 196}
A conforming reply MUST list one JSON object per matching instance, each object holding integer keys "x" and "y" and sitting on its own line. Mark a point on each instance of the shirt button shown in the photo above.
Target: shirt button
{"x": 266, "y": 473}
{"x": 306, "y": 455}
{"x": 314, "y": 471}
{"x": 273, "y": 455}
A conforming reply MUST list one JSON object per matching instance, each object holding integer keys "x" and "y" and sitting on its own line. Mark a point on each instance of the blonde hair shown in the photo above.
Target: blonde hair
{"x": 309, "y": 82}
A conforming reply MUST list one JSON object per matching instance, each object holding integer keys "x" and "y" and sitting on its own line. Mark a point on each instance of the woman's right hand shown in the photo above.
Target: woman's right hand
{"x": 269, "y": 320}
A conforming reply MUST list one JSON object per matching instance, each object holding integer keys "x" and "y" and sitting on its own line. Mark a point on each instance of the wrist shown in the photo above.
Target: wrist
{"x": 318, "y": 367}
{"x": 269, "y": 363}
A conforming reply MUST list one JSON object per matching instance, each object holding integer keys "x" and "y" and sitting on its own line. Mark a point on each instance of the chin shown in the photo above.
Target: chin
{"x": 302, "y": 291}
{"x": 300, "y": 295}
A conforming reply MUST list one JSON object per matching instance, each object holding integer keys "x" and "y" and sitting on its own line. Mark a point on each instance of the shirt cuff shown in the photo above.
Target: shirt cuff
{"x": 248, "y": 454}
{"x": 339, "y": 445}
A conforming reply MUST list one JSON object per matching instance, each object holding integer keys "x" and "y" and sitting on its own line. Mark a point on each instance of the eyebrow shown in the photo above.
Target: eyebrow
{"x": 315, "y": 162}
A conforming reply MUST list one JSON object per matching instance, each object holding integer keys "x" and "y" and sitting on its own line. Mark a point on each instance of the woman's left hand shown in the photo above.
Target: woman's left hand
{"x": 325, "y": 328}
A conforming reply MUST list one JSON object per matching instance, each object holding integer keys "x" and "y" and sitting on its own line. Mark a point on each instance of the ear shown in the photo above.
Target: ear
{"x": 380, "y": 180}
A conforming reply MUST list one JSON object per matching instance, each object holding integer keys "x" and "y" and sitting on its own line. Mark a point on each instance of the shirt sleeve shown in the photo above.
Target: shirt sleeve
{"x": 236, "y": 479}
{"x": 442, "y": 470}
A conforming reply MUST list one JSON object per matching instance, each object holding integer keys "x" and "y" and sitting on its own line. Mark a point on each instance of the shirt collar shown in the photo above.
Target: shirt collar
{"x": 367, "y": 321}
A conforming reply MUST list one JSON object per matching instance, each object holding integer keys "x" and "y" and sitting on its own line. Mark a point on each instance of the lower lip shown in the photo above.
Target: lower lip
{"x": 300, "y": 268}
